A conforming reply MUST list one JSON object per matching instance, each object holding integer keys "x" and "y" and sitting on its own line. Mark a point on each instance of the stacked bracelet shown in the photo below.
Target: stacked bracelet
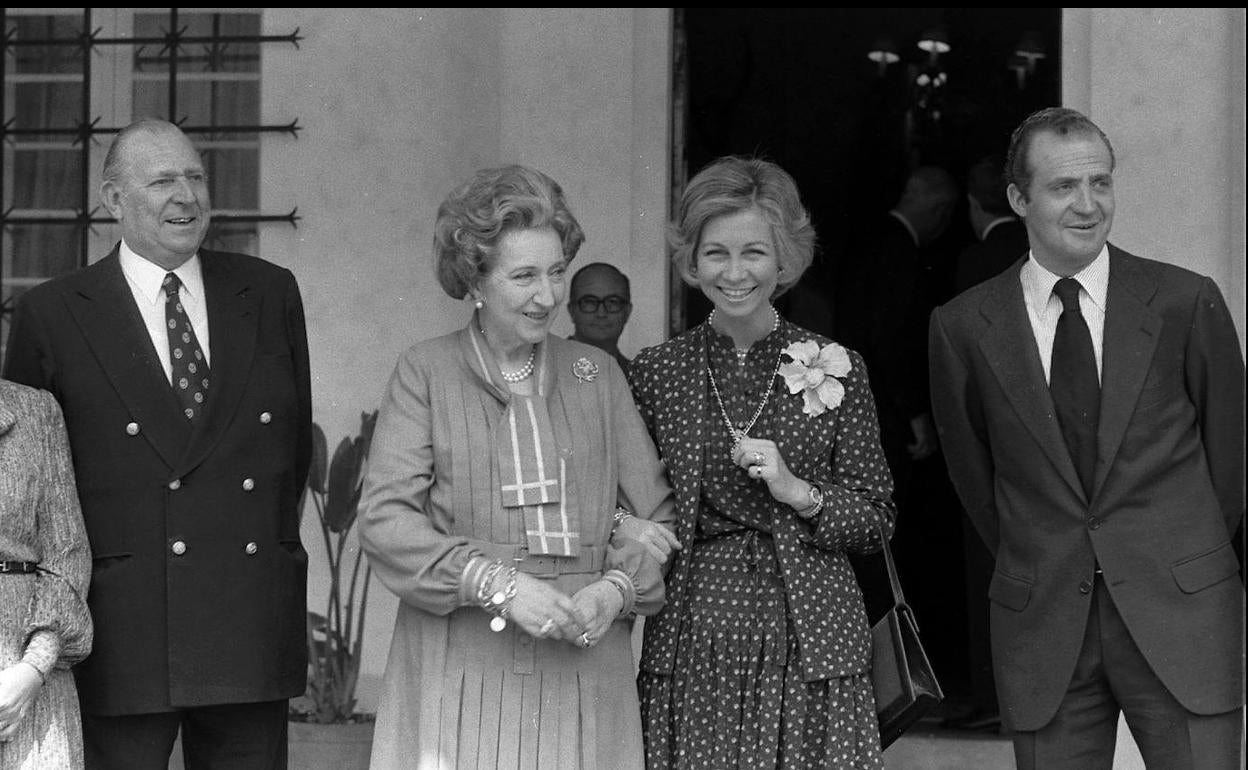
{"x": 497, "y": 602}
{"x": 624, "y": 585}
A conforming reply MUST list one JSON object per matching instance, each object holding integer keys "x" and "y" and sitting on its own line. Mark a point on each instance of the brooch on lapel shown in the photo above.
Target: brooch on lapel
{"x": 814, "y": 372}
{"x": 585, "y": 370}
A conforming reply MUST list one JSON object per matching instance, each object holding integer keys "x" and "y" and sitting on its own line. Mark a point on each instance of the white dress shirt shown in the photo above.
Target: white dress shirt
{"x": 1044, "y": 307}
{"x": 144, "y": 279}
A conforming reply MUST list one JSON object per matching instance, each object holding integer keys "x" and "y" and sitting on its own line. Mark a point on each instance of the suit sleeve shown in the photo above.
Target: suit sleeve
{"x": 1215, "y": 382}
{"x": 297, "y": 336}
{"x": 28, "y": 357}
{"x": 963, "y": 437}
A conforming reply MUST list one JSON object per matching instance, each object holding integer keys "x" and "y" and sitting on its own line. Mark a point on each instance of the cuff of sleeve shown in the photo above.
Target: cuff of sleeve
{"x": 42, "y": 651}
{"x": 470, "y": 578}
{"x": 623, "y": 582}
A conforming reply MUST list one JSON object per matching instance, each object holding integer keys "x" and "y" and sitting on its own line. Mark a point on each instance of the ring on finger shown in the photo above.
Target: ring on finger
{"x": 759, "y": 457}
{"x": 547, "y": 627}
{"x": 586, "y": 641}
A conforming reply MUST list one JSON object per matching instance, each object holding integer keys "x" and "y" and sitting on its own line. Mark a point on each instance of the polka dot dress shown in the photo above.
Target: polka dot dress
{"x": 736, "y": 697}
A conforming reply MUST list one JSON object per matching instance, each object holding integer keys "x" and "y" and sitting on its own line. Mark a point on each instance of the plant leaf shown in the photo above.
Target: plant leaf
{"x": 342, "y": 492}
{"x": 316, "y": 473}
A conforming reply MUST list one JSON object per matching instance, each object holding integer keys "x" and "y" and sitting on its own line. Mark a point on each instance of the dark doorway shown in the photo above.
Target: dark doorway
{"x": 797, "y": 86}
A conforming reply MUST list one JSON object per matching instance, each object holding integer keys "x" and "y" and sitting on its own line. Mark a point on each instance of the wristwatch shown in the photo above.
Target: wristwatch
{"x": 816, "y": 503}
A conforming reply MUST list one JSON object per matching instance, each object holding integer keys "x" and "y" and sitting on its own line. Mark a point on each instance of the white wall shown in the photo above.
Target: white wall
{"x": 399, "y": 105}
{"x": 1167, "y": 86}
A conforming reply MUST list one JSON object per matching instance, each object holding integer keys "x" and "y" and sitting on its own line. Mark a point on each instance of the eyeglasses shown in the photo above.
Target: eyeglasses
{"x": 590, "y": 304}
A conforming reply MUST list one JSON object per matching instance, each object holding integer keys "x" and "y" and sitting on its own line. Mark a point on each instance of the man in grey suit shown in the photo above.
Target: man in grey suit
{"x": 1091, "y": 408}
{"x": 183, "y": 376}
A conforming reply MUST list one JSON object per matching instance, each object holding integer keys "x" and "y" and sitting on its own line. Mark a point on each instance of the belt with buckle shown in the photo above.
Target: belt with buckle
{"x": 18, "y": 567}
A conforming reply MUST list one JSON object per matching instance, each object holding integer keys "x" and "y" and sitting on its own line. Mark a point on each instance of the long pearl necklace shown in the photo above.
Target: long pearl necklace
{"x": 739, "y": 433}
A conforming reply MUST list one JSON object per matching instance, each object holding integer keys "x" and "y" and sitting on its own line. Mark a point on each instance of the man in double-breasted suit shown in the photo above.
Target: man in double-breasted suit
{"x": 183, "y": 376}
{"x": 1115, "y": 587}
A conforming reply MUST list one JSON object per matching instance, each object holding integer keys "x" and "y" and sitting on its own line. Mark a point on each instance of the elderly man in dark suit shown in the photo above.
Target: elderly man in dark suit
{"x": 1091, "y": 407}
{"x": 183, "y": 376}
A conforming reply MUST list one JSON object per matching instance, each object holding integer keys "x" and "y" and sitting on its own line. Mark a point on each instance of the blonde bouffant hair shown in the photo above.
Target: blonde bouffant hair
{"x": 733, "y": 184}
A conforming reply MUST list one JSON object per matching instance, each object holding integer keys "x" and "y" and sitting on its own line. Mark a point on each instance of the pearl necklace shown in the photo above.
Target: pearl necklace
{"x": 521, "y": 374}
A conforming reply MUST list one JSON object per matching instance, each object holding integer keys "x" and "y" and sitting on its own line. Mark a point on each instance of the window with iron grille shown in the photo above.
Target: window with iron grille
{"x": 73, "y": 77}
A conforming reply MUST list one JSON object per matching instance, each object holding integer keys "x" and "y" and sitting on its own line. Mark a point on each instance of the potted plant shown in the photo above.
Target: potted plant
{"x": 325, "y": 729}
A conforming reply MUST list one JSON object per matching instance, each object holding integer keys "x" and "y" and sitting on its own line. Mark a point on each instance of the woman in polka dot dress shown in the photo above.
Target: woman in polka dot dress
{"x": 761, "y": 657}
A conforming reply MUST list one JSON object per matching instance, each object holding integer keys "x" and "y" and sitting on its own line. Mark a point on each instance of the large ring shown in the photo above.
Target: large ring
{"x": 759, "y": 457}
{"x": 585, "y": 640}
{"x": 547, "y": 627}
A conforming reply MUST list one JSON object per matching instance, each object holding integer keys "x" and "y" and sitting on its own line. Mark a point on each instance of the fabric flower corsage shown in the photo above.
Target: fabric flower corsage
{"x": 814, "y": 371}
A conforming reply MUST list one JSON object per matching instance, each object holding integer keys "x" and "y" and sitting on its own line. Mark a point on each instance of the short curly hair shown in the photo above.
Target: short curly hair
{"x": 738, "y": 183}
{"x": 476, "y": 215}
{"x": 1062, "y": 121}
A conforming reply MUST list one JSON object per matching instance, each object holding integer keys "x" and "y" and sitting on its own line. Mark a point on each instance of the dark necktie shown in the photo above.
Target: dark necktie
{"x": 1074, "y": 384}
{"x": 190, "y": 370}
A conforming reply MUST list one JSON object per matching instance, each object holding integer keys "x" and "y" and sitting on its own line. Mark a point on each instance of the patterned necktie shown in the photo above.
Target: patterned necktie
{"x": 190, "y": 370}
{"x": 1074, "y": 384}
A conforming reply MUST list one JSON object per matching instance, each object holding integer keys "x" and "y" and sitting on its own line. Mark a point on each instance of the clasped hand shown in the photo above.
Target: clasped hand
{"x": 18, "y": 685}
{"x": 543, "y": 611}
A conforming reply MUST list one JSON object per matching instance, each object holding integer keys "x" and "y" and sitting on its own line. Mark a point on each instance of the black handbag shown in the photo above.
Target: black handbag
{"x": 905, "y": 684}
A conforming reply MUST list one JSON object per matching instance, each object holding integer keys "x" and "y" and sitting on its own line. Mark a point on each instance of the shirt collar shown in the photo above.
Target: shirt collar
{"x": 1038, "y": 282}
{"x": 999, "y": 220}
{"x": 906, "y": 223}
{"x": 148, "y": 276}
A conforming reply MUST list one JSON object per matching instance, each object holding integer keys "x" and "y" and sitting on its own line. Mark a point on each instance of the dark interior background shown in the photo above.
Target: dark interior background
{"x": 796, "y": 86}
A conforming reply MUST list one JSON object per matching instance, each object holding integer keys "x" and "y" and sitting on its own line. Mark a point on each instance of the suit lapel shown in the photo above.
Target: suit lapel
{"x": 1009, "y": 347}
{"x": 232, "y": 320}
{"x": 1132, "y": 331}
{"x": 103, "y": 306}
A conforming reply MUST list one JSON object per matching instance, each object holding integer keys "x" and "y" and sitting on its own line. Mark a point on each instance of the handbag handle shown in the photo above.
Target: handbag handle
{"x": 898, "y": 597}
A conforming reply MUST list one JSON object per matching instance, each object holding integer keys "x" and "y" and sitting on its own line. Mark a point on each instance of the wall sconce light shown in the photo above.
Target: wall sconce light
{"x": 883, "y": 52}
{"x": 1030, "y": 49}
{"x": 935, "y": 41}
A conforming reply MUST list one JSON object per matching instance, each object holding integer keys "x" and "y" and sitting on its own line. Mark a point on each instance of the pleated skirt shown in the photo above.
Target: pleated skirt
{"x": 458, "y": 696}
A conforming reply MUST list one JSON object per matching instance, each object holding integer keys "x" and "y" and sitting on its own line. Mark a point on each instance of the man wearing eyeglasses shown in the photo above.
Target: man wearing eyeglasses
{"x": 599, "y": 304}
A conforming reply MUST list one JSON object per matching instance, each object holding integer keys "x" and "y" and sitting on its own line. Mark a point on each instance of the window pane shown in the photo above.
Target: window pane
{"x": 228, "y": 56}
{"x": 41, "y": 251}
{"x": 50, "y": 59}
{"x": 47, "y": 179}
{"x": 231, "y": 177}
{"x": 232, "y": 236}
{"x": 204, "y": 103}
{"x": 47, "y": 105}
